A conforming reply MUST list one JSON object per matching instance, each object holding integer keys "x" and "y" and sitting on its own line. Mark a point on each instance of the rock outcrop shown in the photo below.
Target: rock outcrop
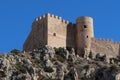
{"x": 49, "y": 63}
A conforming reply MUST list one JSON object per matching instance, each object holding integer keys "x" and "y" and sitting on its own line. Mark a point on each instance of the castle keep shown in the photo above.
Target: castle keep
{"x": 56, "y": 32}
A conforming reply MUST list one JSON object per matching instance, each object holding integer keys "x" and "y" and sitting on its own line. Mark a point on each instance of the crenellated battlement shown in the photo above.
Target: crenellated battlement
{"x": 106, "y": 40}
{"x": 51, "y": 16}
{"x": 40, "y": 18}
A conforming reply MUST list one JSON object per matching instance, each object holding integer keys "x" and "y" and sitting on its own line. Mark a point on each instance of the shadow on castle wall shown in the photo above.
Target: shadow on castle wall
{"x": 70, "y": 36}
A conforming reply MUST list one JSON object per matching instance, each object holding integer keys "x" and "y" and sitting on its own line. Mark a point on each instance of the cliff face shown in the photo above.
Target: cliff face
{"x": 49, "y": 63}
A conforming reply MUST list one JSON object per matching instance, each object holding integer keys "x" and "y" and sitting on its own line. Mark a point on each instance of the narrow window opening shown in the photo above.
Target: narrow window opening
{"x": 85, "y": 26}
{"x": 87, "y": 36}
{"x": 54, "y": 34}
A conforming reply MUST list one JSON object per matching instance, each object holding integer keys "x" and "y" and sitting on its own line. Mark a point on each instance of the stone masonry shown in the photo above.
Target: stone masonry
{"x": 56, "y": 32}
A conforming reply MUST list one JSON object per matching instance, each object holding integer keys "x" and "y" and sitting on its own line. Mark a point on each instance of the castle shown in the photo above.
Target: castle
{"x": 56, "y": 32}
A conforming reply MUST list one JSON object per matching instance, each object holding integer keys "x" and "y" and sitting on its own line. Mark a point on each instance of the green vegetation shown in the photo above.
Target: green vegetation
{"x": 53, "y": 59}
{"x": 50, "y": 79}
{"x": 59, "y": 54}
{"x": 60, "y": 58}
{"x": 56, "y": 50}
{"x": 97, "y": 57}
{"x": 90, "y": 55}
{"x": 59, "y": 50}
{"x": 20, "y": 68}
{"x": 2, "y": 74}
{"x": 37, "y": 61}
{"x": 81, "y": 68}
{"x": 66, "y": 76}
{"x": 48, "y": 69}
{"x": 72, "y": 64}
{"x": 86, "y": 67}
{"x": 114, "y": 67}
{"x": 69, "y": 49}
{"x": 100, "y": 58}
{"x": 15, "y": 51}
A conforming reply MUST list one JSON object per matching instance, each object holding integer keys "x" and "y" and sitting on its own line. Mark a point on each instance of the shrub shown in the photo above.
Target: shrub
{"x": 56, "y": 50}
{"x": 20, "y": 68}
{"x": 53, "y": 59}
{"x": 59, "y": 50}
{"x": 61, "y": 59}
{"x": 66, "y": 76}
{"x": 60, "y": 54}
{"x": 69, "y": 48}
{"x": 50, "y": 79}
{"x": 72, "y": 64}
{"x": 2, "y": 74}
{"x": 101, "y": 58}
{"x": 86, "y": 67}
{"x": 16, "y": 51}
{"x": 118, "y": 58}
{"x": 114, "y": 67}
{"x": 48, "y": 69}
{"x": 37, "y": 61}
{"x": 81, "y": 68}
{"x": 98, "y": 56}
{"x": 90, "y": 55}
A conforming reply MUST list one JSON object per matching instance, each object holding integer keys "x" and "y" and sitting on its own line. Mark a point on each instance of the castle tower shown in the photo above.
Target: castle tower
{"x": 50, "y": 30}
{"x": 84, "y": 33}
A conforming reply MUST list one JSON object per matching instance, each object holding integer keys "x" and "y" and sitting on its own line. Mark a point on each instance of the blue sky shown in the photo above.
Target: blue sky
{"x": 16, "y": 17}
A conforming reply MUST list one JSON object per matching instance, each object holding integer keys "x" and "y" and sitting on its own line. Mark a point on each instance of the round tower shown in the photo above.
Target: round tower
{"x": 84, "y": 33}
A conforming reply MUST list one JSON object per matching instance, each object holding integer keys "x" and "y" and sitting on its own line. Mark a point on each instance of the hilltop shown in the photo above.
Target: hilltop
{"x": 47, "y": 63}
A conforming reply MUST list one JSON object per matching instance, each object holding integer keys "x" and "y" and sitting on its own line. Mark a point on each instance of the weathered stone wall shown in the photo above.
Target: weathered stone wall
{"x": 50, "y": 30}
{"x": 38, "y": 34}
{"x": 71, "y": 32}
{"x": 105, "y": 46}
{"x": 60, "y": 32}
{"x": 54, "y": 31}
{"x": 84, "y": 33}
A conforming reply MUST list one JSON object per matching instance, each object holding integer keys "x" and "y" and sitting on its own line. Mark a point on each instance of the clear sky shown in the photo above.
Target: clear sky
{"x": 16, "y": 17}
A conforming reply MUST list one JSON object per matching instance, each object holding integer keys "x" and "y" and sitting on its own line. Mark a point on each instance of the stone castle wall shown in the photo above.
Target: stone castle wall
{"x": 54, "y": 31}
{"x": 59, "y": 32}
{"x": 105, "y": 47}
{"x": 38, "y": 34}
{"x": 84, "y": 33}
{"x": 50, "y": 30}
{"x": 71, "y": 35}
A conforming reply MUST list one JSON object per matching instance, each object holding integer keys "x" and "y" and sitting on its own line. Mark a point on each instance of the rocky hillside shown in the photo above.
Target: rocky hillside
{"x": 48, "y": 63}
